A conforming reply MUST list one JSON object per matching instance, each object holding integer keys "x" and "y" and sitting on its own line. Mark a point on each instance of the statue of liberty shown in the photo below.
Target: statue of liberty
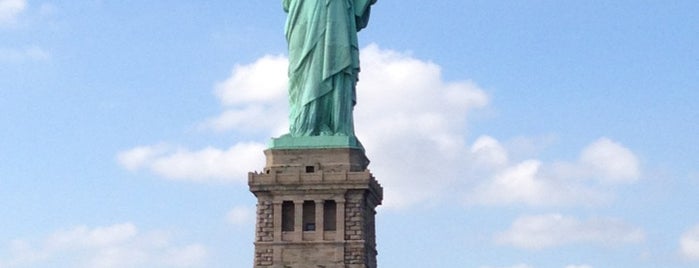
{"x": 323, "y": 64}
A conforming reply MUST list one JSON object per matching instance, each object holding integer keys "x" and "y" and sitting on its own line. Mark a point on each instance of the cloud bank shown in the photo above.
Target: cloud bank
{"x": 10, "y": 9}
{"x": 532, "y": 182}
{"x": 689, "y": 244}
{"x": 414, "y": 125}
{"x": 544, "y": 231}
{"x": 254, "y": 98}
{"x": 205, "y": 165}
{"x": 119, "y": 245}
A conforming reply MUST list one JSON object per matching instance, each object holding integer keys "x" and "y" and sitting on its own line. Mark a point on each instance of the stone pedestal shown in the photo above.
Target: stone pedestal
{"x": 315, "y": 209}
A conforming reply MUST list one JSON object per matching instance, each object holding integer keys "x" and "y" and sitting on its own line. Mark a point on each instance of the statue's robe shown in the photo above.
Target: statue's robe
{"x": 323, "y": 64}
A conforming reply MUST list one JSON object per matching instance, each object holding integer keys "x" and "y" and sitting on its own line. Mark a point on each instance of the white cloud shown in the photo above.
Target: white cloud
{"x": 10, "y": 9}
{"x": 137, "y": 157}
{"x": 241, "y": 216}
{"x": 519, "y": 184}
{"x": 205, "y": 165}
{"x": 544, "y": 231}
{"x": 604, "y": 161}
{"x": 119, "y": 245}
{"x": 610, "y": 161}
{"x": 488, "y": 152}
{"x": 265, "y": 119}
{"x": 260, "y": 82}
{"x": 535, "y": 183}
{"x": 254, "y": 97}
{"x": 413, "y": 125}
{"x": 689, "y": 244}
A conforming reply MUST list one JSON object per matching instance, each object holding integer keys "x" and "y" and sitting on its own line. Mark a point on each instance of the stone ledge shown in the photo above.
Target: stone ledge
{"x": 317, "y": 142}
{"x": 325, "y": 159}
{"x": 305, "y": 243}
{"x": 305, "y": 183}
{"x": 316, "y": 178}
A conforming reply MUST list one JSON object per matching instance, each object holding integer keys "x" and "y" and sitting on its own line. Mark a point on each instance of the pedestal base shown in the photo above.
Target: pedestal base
{"x": 315, "y": 142}
{"x": 315, "y": 207}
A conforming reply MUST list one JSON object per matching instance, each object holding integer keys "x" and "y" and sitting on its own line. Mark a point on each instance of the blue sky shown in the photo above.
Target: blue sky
{"x": 507, "y": 134}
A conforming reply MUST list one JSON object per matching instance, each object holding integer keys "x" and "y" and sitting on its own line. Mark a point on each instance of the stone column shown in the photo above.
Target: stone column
{"x": 298, "y": 220}
{"x": 340, "y": 220}
{"x": 320, "y": 223}
{"x": 277, "y": 214}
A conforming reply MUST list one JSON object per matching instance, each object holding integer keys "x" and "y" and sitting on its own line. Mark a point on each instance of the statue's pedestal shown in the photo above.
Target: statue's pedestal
{"x": 316, "y": 208}
{"x": 315, "y": 142}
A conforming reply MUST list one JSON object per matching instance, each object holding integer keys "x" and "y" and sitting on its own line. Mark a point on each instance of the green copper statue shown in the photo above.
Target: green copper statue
{"x": 323, "y": 64}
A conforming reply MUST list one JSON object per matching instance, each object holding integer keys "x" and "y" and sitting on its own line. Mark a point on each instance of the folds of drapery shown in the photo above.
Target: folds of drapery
{"x": 322, "y": 38}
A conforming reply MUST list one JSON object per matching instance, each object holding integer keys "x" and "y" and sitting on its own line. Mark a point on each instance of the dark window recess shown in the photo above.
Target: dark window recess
{"x": 310, "y": 169}
{"x": 329, "y": 215}
{"x": 309, "y": 216}
{"x": 288, "y": 216}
